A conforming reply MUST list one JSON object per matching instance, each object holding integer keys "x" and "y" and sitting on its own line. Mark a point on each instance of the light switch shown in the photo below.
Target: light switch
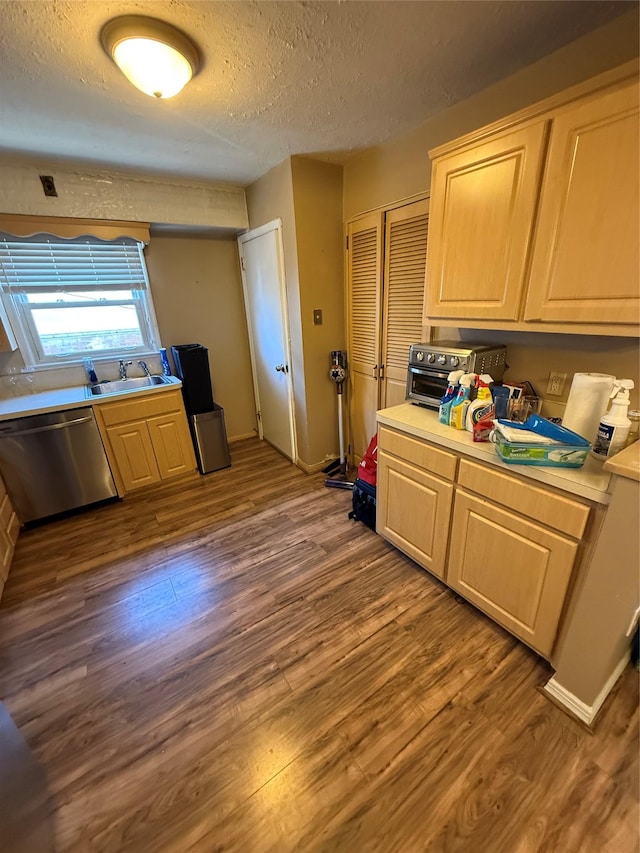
{"x": 317, "y": 316}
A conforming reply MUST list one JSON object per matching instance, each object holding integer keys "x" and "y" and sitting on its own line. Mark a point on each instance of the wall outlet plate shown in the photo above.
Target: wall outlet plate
{"x": 555, "y": 385}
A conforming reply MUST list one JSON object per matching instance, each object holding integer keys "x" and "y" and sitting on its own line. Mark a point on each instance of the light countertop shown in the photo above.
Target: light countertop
{"x": 591, "y": 481}
{"x": 626, "y": 463}
{"x": 69, "y": 398}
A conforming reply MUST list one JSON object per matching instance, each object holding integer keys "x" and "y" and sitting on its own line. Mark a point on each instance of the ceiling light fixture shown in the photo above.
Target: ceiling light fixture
{"x": 154, "y": 56}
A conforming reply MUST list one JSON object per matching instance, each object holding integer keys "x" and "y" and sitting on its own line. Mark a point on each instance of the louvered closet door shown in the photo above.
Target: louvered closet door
{"x": 406, "y": 230}
{"x": 364, "y": 288}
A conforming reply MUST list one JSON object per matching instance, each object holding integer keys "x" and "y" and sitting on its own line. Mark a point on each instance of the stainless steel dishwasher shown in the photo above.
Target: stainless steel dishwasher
{"x": 54, "y": 462}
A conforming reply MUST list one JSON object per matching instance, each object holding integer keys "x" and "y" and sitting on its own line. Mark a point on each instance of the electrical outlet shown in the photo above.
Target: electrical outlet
{"x": 555, "y": 385}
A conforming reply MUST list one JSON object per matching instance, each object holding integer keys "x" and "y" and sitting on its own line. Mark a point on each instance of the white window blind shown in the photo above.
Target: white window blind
{"x": 72, "y": 298}
{"x": 42, "y": 264}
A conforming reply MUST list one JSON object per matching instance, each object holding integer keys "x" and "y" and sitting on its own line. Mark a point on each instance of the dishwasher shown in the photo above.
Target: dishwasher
{"x": 54, "y": 462}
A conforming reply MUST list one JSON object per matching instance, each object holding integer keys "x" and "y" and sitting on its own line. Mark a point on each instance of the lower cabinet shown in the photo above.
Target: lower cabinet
{"x": 413, "y": 510}
{"x": 147, "y": 439}
{"x": 414, "y": 497}
{"x": 9, "y": 529}
{"x": 133, "y": 454}
{"x": 508, "y": 546}
{"x": 514, "y": 570}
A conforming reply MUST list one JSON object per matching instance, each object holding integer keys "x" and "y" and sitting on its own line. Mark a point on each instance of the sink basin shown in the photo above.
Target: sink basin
{"x": 119, "y": 385}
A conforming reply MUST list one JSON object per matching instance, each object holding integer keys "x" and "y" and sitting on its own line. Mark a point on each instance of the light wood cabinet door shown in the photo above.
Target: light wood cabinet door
{"x": 515, "y": 570}
{"x": 172, "y": 445}
{"x": 585, "y": 265}
{"x": 405, "y": 260}
{"x": 413, "y": 511}
{"x": 364, "y": 310}
{"x": 483, "y": 201}
{"x": 134, "y": 455}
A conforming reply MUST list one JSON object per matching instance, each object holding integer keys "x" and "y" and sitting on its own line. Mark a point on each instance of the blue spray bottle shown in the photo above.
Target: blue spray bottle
{"x": 461, "y": 403}
{"x": 449, "y": 395}
{"x": 164, "y": 361}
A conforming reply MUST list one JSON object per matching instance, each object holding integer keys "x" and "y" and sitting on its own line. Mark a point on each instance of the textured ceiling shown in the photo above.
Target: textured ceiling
{"x": 279, "y": 78}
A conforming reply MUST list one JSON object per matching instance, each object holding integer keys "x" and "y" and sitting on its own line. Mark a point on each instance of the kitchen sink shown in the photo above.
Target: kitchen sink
{"x": 119, "y": 385}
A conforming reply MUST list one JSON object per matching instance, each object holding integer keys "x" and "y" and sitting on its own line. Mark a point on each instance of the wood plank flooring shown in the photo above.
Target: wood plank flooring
{"x": 230, "y": 664}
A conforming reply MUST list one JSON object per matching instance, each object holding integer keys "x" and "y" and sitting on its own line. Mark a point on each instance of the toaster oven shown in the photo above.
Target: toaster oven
{"x": 431, "y": 364}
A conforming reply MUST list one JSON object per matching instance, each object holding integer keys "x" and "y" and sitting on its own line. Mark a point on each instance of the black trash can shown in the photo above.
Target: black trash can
{"x": 192, "y": 368}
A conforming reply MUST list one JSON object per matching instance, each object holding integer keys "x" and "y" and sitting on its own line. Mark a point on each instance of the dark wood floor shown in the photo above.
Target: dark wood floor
{"x": 231, "y": 664}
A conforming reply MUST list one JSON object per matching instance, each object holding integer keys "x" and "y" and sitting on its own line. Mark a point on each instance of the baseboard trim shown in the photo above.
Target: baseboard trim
{"x": 242, "y": 437}
{"x": 585, "y": 713}
{"x": 310, "y": 469}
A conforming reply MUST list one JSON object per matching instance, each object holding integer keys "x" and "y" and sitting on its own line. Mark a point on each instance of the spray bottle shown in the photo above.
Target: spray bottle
{"x": 482, "y": 406}
{"x": 446, "y": 401}
{"x": 461, "y": 403}
{"x": 614, "y": 423}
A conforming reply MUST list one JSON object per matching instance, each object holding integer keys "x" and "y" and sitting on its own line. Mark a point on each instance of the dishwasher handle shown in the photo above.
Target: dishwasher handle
{"x": 61, "y": 425}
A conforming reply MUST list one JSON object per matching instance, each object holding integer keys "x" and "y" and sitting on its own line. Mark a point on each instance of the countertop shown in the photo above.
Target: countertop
{"x": 591, "y": 481}
{"x": 69, "y": 398}
{"x": 626, "y": 463}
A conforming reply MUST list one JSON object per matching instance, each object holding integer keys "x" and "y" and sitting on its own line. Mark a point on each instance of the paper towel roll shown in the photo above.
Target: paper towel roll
{"x": 587, "y": 401}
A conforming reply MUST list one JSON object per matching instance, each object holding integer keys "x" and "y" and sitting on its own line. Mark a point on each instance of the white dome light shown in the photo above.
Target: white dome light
{"x": 154, "y": 56}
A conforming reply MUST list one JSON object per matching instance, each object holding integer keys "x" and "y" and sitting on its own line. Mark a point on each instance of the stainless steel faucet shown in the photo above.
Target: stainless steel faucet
{"x": 145, "y": 369}
{"x": 123, "y": 368}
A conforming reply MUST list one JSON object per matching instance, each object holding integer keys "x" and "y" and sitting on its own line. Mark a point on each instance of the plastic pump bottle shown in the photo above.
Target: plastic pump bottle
{"x": 482, "y": 406}
{"x": 614, "y": 423}
{"x": 461, "y": 403}
{"x": 446, "y": 401}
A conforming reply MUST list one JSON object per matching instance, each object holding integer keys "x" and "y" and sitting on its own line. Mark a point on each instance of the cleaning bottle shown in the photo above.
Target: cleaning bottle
{"x": 90, "y": 371}
{"x": 614, "y": 423}
{"x": 164, "y": 361}
{"x": 445, "y": 402}
{"x": 482, "y": 406}
{"x": 461, "y": 402}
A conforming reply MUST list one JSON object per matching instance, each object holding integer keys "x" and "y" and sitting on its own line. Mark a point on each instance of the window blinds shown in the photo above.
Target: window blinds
{"x": 45, "y": 264}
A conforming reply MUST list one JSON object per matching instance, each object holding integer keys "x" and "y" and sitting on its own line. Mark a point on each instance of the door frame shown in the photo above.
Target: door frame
{"x": 245, "y": 237}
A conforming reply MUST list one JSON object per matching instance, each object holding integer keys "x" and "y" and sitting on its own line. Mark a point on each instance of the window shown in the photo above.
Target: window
{"x": 68, "y": 299}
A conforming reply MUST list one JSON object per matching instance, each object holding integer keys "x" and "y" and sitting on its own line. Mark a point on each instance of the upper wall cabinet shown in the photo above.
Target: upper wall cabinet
{"x": 534, "y": 221}
{"x": 585, "y": 261}
{"x": 484, "y": 201}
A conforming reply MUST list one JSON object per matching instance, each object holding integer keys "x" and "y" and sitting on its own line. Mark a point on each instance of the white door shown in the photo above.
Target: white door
{"x": 262, "y": 263}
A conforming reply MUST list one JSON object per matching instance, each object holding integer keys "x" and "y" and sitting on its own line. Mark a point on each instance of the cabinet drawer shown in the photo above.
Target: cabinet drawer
{"x": 555, "y": 510}
{"x": 125, "y": 411}
{"x": 418, "y": 452}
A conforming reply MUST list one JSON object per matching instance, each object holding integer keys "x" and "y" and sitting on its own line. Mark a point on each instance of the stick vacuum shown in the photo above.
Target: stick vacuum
{"x": 338, "y": 374}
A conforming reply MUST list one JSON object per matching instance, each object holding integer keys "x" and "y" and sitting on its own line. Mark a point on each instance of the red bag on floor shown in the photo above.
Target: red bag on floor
{"x": 368, "y": 468}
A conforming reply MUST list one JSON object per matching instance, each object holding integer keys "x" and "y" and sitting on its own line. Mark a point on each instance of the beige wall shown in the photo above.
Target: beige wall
{"x": 401, "y": 168}
{"x": 197, "y": 293}
{"x": 532, "y": 356}
{"x": 317, "y": 192}
{"x": 307, "y": 196}
{"x": 269, "y": 198}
